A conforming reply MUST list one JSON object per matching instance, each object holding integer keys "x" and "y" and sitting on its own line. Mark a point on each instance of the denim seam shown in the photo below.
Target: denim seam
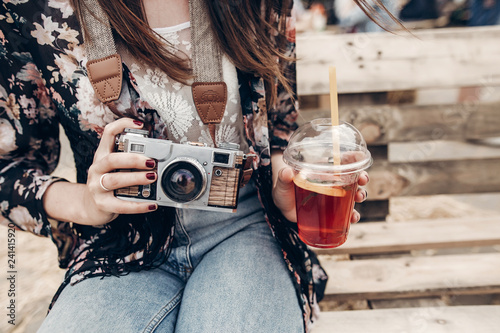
{"x": 188, "y": 246}
{"x": 153, "y": 324}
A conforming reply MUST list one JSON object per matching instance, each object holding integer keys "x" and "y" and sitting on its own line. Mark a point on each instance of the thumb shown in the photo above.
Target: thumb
{"x": 285, "y": 176}
{"x": 284, "y": 193}
{"x": 285, "y": 180}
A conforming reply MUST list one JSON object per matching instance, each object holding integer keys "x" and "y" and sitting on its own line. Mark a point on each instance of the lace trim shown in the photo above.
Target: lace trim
{"x": 174, "y": 28}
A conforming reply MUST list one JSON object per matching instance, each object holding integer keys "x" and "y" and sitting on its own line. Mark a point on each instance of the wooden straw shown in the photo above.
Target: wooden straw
{"x": 334, "y": 107}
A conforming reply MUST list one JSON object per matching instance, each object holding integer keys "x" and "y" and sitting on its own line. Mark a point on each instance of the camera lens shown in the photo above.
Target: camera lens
{"x": 183, "y": 181}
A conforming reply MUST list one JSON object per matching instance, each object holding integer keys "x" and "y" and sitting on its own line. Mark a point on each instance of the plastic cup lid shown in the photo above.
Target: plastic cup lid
{"x": 318, "y": 147}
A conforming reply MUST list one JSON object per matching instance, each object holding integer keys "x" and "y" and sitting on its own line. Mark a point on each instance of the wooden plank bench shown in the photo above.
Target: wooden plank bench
{"x": 436, "y": 58}
{"x": 410, "y": 276}
{"x": 442, "y": 87}
{"x": 413, "y": 276}
{"x": 397, "y": 89}
{"x": 383, "y": 237}
{"x": 456, "y": 319}
{"x": 407, "y": 276}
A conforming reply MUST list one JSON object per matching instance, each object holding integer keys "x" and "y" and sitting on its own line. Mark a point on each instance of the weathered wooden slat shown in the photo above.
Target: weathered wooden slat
{"x": 382, "y": 124}
{"x": 445, "y": 96}
{"x": 383, "y": 237}
{"x": 433, "y": 177}
{"x": 456, "y": 319}
{"x": 413, "y": 276}
{"x": 451, "y": 57}
{"x": 408, "y": 303}
{"x": 432, "y": 96}
{"x": 323, "y": 101}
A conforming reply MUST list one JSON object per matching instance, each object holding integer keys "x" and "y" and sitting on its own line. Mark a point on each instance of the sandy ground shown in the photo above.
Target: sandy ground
{"x": 38, "y": 275}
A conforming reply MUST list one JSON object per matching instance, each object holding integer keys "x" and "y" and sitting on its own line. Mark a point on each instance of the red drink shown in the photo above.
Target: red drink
{"x": 327, "y": 162}
{"x": 323, "y": 212}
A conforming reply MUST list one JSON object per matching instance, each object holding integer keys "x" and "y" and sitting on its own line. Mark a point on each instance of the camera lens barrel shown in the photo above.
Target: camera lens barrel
{"x": 184, "y": 180}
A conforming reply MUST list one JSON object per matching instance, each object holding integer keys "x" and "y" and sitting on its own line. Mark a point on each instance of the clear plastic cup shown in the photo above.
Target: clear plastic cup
{"x": 327, "y": 161}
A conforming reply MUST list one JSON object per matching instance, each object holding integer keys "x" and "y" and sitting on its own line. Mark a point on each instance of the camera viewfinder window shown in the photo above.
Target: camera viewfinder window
{"x": 136, "y": 148}
{"x": 221, "y": 158}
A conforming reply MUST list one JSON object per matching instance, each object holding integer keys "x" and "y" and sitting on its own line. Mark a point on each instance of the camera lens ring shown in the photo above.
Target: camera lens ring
{"x": 184, "y": 167}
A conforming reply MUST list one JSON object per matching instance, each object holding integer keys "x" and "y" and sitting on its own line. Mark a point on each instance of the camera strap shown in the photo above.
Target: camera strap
{"x": 104, "y": 66}
{"x": 209, "y": 88}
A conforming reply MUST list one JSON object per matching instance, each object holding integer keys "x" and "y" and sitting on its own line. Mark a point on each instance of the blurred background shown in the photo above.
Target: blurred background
{"x": 345, "y": 17}
{"x": 427, "y": 99}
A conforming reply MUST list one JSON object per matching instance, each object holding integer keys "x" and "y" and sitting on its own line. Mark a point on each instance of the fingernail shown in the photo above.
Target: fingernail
{"x": 151, "y": 175}
{"x": 358, "y": 217}
{"x": 366, "y": 195}
{"x": 152, "y": 207}
{"x": 138, "y": 122}
{"x": 367, "y": 178}
{"x": 150, "y": 163}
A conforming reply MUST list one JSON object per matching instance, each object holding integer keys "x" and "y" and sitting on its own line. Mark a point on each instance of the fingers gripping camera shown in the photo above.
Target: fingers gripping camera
{"x": 189, "y": 175}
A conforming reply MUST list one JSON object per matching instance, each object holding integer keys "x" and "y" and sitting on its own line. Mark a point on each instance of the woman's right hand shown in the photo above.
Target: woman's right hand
{"x": 100, "y": 204}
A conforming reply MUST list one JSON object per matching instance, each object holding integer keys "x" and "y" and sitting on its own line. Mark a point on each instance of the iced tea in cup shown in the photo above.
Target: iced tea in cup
{"x": 327, "y": 161}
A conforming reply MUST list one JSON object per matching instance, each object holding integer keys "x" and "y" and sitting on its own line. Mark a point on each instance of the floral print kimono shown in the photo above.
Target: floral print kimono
{"x": 43, "y": 84}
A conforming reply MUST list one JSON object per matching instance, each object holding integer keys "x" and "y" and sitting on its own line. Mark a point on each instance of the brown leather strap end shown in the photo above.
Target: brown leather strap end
{"x": 211, "y": 130}
{"x": 246, "y": 174}
{"x": 249, "y": 158}
{"x": 106, "y": 77}
{"x": 210, "y": 100}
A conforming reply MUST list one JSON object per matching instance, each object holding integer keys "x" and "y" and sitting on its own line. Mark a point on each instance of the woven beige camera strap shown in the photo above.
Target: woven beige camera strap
{"x": 209, "y": 88}
{"x": 104, "y": 66}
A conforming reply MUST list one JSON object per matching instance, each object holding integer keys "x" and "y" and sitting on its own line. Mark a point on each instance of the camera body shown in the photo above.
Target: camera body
{"x": 190, "y": 175}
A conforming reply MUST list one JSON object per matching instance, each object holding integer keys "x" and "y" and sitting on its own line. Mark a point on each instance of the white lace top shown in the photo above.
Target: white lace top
{"x": 174, "y": 101}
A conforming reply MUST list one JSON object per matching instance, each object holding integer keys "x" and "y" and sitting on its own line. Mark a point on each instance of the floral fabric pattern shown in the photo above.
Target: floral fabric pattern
{"x": 43, "y": 84}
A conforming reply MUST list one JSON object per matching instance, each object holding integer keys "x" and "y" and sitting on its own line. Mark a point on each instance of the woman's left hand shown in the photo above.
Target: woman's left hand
{"x": 284, "y": 194}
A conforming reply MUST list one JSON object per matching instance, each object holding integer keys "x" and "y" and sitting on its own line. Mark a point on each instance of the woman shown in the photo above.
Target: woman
{"x": 162, "y": 269}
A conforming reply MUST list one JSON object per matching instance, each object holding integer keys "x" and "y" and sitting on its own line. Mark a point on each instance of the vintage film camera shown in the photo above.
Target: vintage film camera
{"x": 190, "y": 175}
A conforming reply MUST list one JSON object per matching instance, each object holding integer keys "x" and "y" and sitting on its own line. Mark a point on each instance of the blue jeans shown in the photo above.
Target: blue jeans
{"x": 226, "y": 273}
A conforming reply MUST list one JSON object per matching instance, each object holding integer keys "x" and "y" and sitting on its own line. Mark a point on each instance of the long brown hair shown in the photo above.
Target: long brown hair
{"x": 243, "y": 29}
{"x": 370, "y": 9}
